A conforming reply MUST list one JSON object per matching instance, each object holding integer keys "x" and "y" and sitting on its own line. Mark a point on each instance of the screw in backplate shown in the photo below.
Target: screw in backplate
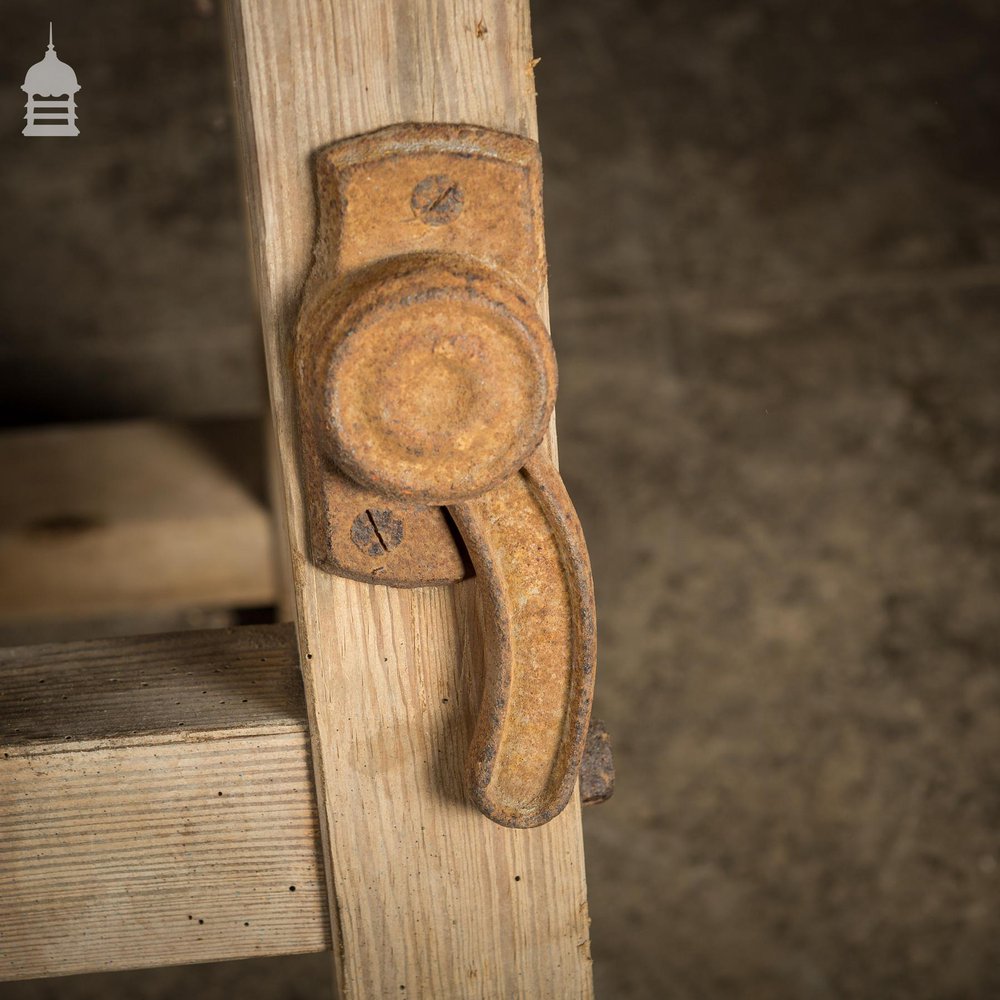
{"x": 437, "y": 200}
{"x": 377, "y": 531}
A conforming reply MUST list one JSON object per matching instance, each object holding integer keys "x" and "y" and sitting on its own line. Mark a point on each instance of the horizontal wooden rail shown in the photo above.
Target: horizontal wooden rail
{"x": 156, "y": 803}
{"x": 131, "y": 517}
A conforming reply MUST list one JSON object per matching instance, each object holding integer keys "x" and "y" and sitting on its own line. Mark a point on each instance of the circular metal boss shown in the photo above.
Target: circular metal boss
{"x": 439, "y": 379}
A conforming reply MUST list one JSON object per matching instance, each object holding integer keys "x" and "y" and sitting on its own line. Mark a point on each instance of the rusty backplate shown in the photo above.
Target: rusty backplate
{"x": 443, "y": 192}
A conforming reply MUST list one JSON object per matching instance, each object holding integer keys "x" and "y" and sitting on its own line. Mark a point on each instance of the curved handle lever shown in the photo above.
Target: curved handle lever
{"x": 528, "y": 550}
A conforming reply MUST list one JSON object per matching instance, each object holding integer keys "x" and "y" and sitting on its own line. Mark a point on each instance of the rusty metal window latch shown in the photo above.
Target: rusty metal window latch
{"x": 426, "y": 381}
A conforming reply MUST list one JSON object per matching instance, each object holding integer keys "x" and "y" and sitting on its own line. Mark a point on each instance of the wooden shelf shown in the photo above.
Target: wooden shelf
{"x": 133, "y": 517}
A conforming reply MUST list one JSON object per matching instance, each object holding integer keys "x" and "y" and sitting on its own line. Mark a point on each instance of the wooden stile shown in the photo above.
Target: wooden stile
{"x": 428, "y": 898}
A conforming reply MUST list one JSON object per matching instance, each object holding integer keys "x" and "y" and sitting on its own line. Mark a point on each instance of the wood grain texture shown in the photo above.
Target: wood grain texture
{"x": 156, "y": 803}
{"x": 429, "y": 898}
{"x": 127, "y": 517}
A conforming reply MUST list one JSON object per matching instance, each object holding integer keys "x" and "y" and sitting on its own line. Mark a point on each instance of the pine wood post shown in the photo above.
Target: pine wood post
{"x": 427, "y": 897}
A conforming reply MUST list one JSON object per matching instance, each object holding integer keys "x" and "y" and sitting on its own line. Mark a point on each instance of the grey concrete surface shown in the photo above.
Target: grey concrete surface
{"x": 774, "y": 238}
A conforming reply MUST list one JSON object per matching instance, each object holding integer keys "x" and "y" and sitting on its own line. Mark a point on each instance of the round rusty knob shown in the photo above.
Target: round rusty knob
{"x": 437, "y": 378}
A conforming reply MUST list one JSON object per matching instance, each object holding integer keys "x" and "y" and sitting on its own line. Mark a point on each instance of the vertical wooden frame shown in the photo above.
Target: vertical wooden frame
{"x": 427, "y": 897}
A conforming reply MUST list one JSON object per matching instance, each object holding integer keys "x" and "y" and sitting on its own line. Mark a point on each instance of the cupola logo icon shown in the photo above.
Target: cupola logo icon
{"x": 51, "y": 87}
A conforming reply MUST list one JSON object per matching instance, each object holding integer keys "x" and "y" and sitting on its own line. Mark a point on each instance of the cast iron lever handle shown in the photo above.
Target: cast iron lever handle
{"x": 428, "y": 378}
